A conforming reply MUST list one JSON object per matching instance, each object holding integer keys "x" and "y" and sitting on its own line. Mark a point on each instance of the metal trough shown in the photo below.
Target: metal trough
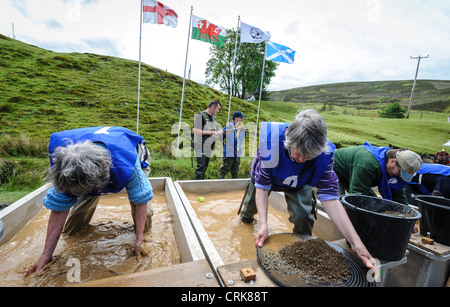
{"x": 188, "y": 244}
{"x": 206, "y": 186}
{"x": 427, "y": 266}
{"x": 323, "y": 227}
{"x": 16, "y": 216}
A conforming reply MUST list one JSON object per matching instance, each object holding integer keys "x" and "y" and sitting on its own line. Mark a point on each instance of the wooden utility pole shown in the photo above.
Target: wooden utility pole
{"x": 415, "y": 79}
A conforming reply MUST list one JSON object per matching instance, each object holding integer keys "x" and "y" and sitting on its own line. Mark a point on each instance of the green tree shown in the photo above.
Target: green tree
{"x": 248, "y": 67}
{"x": 394, "y": 110}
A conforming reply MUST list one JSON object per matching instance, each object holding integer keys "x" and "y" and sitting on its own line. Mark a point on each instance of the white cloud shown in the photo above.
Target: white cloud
{"x": 335, "y": 41}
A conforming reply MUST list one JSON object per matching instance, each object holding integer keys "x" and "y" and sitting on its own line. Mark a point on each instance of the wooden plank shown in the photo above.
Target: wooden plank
{"x": 188, "y": 274}
{"x": 231, "y": 275}
{"x": 435, "y": 248}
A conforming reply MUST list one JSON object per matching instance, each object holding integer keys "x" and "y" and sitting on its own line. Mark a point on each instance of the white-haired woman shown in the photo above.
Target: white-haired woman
{"x": 294, "y": 158}
{"x": 86, "y": 163}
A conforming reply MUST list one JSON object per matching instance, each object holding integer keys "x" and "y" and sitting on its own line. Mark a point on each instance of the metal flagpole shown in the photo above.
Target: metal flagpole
{"x": 234, "y": 68}
{"x": 184, "y": 78}
{"x": 259, "y": 103}
{"x": 139, "y": 82}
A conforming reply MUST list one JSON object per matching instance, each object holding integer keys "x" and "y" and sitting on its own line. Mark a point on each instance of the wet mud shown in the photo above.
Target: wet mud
{"x": 233, "y": 238}
{"x": 104, "y": 248}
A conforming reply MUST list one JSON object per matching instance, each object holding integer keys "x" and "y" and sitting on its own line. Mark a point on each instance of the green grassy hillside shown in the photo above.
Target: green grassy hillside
{"x": 44, "y": 91}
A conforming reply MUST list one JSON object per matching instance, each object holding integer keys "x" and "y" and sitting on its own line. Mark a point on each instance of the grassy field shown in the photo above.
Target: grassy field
{"x": 44, "y": 92}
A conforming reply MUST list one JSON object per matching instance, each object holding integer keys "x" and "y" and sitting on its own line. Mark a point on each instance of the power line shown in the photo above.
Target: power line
{"x": 433, "y": 44}
{"x": 442, "y": 37}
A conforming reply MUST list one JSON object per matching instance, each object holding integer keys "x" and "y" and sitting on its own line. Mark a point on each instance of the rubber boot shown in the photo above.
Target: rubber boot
{"x": 299, "y": 207}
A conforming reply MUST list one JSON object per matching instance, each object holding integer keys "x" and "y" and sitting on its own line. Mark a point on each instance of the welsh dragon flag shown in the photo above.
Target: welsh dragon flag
{"x": 205, "y": 31}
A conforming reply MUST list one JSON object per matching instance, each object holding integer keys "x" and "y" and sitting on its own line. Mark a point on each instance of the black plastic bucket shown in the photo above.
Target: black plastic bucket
{"x": 385, "y": 235}
{"x": 435, "y": 217}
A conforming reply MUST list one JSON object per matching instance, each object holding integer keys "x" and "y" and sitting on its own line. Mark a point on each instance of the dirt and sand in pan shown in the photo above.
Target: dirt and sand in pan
{"x": 312, "y": 258}
{"x": 233, "y": 239}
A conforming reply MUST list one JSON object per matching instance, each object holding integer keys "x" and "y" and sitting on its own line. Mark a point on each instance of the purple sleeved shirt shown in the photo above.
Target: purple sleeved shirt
{"x": 327, "y": 187}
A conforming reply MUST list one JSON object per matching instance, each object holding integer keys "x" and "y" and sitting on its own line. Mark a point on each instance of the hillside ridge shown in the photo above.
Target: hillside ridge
{"x": 429, "y": 95}
{"x": 69, "y": 90}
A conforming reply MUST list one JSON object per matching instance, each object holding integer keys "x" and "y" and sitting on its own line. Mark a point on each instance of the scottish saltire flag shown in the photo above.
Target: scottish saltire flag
{"x": 157, "y": 13}
{"x": 279, "y": 53}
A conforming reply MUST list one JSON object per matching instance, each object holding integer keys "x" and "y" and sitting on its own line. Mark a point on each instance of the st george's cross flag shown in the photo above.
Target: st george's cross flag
{"x": 251, "y": 34}
{"x": 279, "y": 53}
{"x": 206, "y": 31}
{"x": 157, "y": 13}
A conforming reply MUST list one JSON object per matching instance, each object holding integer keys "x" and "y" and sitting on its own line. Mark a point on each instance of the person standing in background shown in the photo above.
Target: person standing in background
{"x": 234, "y": 135}
{"x": 205, "y": 131}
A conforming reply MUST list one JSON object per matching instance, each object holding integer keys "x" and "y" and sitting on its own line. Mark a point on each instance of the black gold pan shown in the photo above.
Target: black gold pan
{"x": 270, "y": 252}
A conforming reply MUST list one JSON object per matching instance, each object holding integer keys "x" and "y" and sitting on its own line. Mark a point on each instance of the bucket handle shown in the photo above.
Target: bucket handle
{"x": 350, "y": 206}
{"x": 417, "y": 198}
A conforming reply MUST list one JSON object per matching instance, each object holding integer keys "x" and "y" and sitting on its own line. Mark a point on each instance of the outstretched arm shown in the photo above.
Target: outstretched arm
{"x": 337, "y": 214}
{"x": 54, "y": 229}
{"x": 140, "y": 216}
{"x": 262, "y": 204}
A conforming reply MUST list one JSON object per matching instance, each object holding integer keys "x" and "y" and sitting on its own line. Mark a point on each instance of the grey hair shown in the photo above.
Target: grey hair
{"x": 80, "y": 168}
{"x": 307, "y": 134}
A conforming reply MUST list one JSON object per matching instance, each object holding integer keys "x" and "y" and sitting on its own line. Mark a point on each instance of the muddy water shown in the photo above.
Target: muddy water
{"x": 233, "y": 238}
{"x": 105, "y": 248}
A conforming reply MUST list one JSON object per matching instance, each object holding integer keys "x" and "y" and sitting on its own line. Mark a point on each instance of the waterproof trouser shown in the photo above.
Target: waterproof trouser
{"x": 299, "y": 204}
{"x": 230, "y": 164}
{"x": 202, "y": 165}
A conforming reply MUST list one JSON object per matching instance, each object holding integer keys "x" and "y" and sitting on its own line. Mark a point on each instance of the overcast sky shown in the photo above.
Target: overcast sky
{"x": 335, "y": 40}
